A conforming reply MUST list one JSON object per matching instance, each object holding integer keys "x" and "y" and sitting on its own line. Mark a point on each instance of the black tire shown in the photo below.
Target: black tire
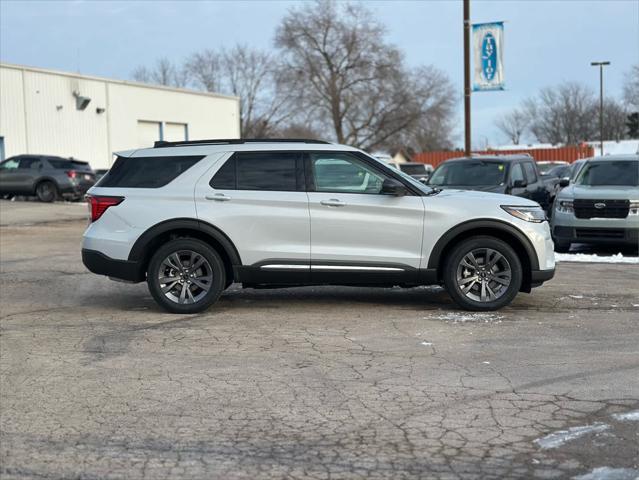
{"x": 46, "y": 191}
{"x": 508, "y": 266}
{"x": 562, "y": 247}
{"x": 182, "y": 247}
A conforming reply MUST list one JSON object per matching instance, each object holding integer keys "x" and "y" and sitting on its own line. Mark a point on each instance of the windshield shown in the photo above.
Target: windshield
{"x": 609, "y": 173}
{"x": 470, "y": 173}
{"x": 413, "y": 169}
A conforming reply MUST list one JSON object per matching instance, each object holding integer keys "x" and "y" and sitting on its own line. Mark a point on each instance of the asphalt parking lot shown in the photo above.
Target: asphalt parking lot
{"x": 97, "y": 383}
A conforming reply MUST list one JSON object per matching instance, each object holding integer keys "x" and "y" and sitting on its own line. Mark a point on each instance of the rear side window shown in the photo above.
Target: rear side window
{"x": 271, "y": 171}
{"x": 146, "y": 172}
{"x": 66, "y": 164}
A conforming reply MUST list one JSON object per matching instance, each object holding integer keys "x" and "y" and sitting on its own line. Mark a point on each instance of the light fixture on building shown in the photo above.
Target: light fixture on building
{"x": 100, "y": 110}
{"x": 81, "y": 102}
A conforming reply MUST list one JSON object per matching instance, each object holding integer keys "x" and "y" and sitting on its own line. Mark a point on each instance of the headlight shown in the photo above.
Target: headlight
{"x": 634, "y": 207}
{"x": 529, "y": 214}
{"x": 565, "y": 206}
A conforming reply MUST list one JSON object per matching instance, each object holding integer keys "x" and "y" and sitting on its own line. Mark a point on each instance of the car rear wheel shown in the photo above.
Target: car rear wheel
{"x": 46, "y": 191}
{"x": 482, "y": 273}
{"x": 186, "y": 275}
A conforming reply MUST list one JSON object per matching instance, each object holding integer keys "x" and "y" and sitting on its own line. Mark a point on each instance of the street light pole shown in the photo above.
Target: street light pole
{"x": 600, "y": 65}
{"x": 467, "y": 144}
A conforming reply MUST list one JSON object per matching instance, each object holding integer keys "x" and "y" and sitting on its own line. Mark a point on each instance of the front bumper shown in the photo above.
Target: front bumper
{"x": 597, "y": 235}
{"x": 538, "y": 277}
{"x": 99, "y": 263}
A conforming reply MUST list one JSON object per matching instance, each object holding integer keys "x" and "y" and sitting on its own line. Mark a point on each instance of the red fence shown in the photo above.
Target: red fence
{"x": 566, "y": 154}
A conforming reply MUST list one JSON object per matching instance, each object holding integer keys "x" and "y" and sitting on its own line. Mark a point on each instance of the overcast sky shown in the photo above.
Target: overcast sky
{"x": 546, "y": 42}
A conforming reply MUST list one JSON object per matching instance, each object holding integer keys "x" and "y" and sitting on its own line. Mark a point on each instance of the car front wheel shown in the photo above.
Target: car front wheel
{"x": 483, "y": 273}
{"x": 186, "y": 275}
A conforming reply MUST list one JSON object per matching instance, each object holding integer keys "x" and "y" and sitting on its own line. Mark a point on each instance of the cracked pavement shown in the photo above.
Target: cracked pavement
{"x": 324, "y": 383}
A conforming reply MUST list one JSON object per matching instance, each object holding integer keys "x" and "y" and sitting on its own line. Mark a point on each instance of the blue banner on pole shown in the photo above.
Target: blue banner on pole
{"x": 488, "y": 48}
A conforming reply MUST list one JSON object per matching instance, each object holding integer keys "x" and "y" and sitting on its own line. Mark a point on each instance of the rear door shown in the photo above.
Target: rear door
{"x": 258, "y": 200}
{"x": 357, "y": 233}
{"x": 536, "y": 189}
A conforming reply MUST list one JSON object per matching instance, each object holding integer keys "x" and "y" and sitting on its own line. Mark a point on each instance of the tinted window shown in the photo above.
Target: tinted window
{"x": 413, "y": 169}
{"x": 65, "y": 164}
{"x": 271, "y": 171}
{"x": 609, "y": 173}
{"x": 516, "y": 173}
{"x": 469, "y": 173}
{"x": 224, "y": 178}
{"x": 559, "y": 172}
{"x": 339, "y": 172}
{"x": 29, "y": 162}
{"x": 531, "y": 174}
{"x": 146, "y": 172}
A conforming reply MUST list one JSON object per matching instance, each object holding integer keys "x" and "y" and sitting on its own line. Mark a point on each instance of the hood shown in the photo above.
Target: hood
{"x": 603, "y": 192}
{"x": 479, "y": 188}
{"x": 476, "y": 196}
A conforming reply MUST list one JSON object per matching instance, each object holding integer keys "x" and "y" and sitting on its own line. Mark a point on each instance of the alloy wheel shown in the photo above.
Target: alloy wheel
{"x": 185, "y": 277}
{"x": 483, "y": 275}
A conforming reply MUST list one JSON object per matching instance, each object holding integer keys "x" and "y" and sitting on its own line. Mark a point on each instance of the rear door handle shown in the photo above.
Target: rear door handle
{"x": 218, "y": 197}
{"x": 333, "y": 202}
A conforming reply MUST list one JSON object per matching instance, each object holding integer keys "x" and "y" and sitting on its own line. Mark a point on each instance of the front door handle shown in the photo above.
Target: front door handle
{"x": 333, "y": 202}
{"x": 218, "y": 197}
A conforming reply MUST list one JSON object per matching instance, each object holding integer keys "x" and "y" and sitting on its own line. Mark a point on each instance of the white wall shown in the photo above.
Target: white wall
{"x": 38, "y": 114}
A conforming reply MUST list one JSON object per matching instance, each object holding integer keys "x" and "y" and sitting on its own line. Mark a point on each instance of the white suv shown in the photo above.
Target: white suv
{"x": 191, "y": 218}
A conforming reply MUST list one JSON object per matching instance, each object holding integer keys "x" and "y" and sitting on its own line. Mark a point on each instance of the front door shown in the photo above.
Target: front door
{"x": 358, "y": 234}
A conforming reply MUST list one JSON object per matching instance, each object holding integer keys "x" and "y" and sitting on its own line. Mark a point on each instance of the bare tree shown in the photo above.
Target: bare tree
{"x": 564, "y": 114}
{"x": 615, "y": 118}
{"x": 513, "y": 124}
{"x": 164, "y": 72}
{"x": 251, "y": 75}
{"x": 631, "y": 88}
{"x": 340, "y": 67}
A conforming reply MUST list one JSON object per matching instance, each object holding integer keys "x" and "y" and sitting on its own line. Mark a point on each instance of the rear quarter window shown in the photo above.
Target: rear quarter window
{"x": 146, "y": 172}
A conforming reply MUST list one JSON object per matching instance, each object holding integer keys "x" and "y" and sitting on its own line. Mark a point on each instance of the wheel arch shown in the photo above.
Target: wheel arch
{"x": 40, "y": 180}
{"x": 151, "y": 239}
{"x": 495, "y": 228}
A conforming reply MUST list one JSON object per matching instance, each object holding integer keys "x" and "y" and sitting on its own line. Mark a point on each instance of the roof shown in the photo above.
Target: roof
{"x": 245, "y": 146}
{"x": 114, "y": 81}
{"x": 627, "y": 157}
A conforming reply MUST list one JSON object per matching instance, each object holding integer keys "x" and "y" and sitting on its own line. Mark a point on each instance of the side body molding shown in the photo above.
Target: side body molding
{"x": 479, "y": 225}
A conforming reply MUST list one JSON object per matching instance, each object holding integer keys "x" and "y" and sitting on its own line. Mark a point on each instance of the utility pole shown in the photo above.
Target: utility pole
{"x": 467, "y": 144}
{"x": 600, "y": 65}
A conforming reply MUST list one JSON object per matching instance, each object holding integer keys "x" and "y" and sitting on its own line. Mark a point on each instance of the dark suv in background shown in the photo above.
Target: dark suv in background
{"x": 510, "y": 174}
{"x": 45, "y": 176}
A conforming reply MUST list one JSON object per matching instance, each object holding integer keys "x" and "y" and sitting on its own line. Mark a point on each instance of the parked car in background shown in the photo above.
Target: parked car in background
{"x": 191, "y": 218}
{"x": 510, "y": 174}
{"x": 545, "y": 166}
{"x": 419, "y": 171}
{"x": 559, "y": 171}
{"x": 601, "y": 206}
{"x": 99, "y": 173}
{"x": 47, "y": 177}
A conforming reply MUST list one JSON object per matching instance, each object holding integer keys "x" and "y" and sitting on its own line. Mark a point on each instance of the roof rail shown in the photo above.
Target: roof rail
{"x": 234, "y": 141}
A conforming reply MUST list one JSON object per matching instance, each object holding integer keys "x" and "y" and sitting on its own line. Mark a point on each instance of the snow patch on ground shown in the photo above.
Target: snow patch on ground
{"x": 427, "y": 344}
{"x": 560, "y": 437}
{"x": 471, "y": 317}
{"x": 627, "y": 417}
{"x": 593, "y": 258}
{"x": 608, "y": 473}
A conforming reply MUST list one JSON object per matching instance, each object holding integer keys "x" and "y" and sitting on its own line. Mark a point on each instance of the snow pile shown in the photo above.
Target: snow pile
{"x": 628, "y": 416}
{"x": 608, "y": 473}
{"x": 560, "y": 437}
{"x": 593, "y": 258}
{"x": 470, "y": 317}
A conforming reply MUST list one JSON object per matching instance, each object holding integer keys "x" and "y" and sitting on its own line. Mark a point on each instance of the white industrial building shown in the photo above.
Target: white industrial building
{"x": 89, "y": 118}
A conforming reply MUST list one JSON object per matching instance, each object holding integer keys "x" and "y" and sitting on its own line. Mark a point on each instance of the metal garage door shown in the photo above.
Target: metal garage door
{"x": 148, "y": 133}
{"x": 175, "y": 132}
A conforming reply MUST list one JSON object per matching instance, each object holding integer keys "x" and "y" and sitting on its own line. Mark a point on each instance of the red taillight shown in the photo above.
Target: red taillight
{"x": 72, "y": 174}
{"x": 98, "y": 204}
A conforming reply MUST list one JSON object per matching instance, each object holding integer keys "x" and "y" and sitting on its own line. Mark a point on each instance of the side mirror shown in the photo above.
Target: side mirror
{"x": 393, "y": 187}
{"x": 519, "y": 184}
{"x": 564, "y": 182}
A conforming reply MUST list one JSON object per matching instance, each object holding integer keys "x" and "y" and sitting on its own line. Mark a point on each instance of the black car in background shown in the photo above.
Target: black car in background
{"x": 45, "y": 176}
{"x": 510, "y": 174}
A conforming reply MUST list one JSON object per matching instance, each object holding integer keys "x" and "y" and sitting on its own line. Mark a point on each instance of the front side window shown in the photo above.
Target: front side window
{"x": 262, "y": 171}
{"x": 517, "y": 173}
{"x": 10, "y": 164}
{"x": 609, "y": 172}
{"x": 344, "y": 173}
{"x": 531, "y": 175}
{"x": 469, "y": 173}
